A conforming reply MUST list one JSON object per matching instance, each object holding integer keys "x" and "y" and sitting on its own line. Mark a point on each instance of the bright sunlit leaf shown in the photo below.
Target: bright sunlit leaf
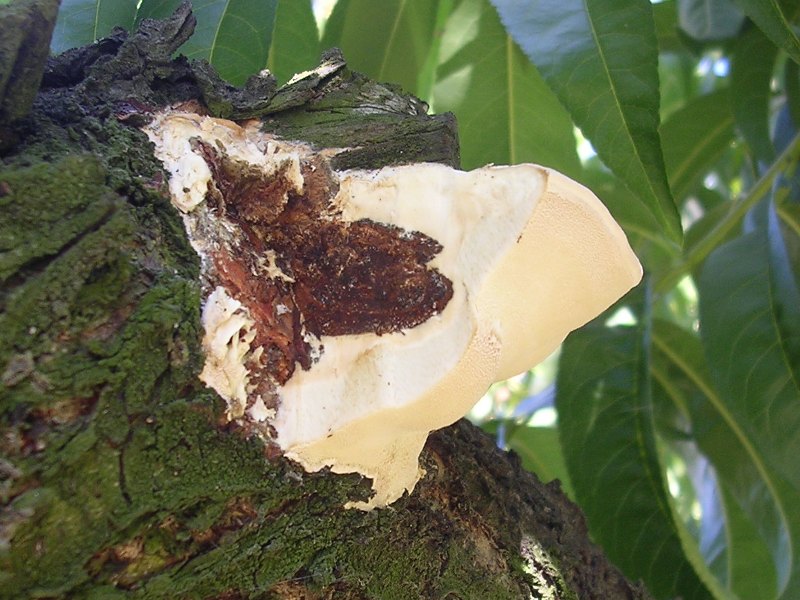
{"x": 601, "y": 59}
{"x": 608, "y": 435}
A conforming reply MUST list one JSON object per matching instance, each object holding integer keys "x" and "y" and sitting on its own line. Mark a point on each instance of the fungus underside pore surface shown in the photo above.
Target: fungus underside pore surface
{"x": 120, "y": 476}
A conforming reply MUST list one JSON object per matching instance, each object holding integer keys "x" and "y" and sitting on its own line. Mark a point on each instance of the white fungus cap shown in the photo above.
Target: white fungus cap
{"x": 532, "y": 255}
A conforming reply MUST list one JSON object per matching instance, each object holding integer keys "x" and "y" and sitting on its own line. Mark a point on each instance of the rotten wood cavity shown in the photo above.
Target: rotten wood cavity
{"x": 338, "y": 277}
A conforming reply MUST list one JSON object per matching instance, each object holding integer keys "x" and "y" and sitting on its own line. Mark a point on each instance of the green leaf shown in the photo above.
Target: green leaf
{"x": 388, "y": 40}
{"x": 784, "y": 288}
{"x": 771, "y": 19}
{"x": 233, "y": 35}
{"x": 665, "y": 18}
{"x": 751, "y": 566}
{"x": 676, "y": 61}
{"x": 643, "y": 232}
{"x": 694, "y": 139}
{"x": 791, "y": 83}
{"x": 676, "y": 74}
{"x": 82, "y": 22}
{"x": 748, "y": 351}
{"x": 295, "y": 41}
{"x": 751, "y": 75}
{"x": 770, "y": 505}
{"x": 506, "y": 113}
{"x": 703, "y": 227}
{"x": 607, "y": 432}
{"x": 749, "y": 336}
{"x": 540, "y": 451}
{"x": 427, "y": 76}
{"x": 601, "y": 59}
{"x": 741, "y": 470}
{"x": 789, "y": 213}
{"x": 709, "y": 19}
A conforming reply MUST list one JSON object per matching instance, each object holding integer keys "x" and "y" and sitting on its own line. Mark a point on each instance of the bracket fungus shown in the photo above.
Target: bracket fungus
{"x": 348, "y": 314}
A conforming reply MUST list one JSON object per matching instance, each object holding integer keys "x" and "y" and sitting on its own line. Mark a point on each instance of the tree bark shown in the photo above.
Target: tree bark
{"x": 119, "y": 476}
{"x": 27, "y": 26}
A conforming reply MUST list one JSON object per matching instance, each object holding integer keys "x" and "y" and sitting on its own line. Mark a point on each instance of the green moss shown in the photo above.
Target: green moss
{"x": 414, "y": 560}
{"x": 69, "y": 520}
{"x": 165, "y": 466}
{"x": 374, "y": 141}
{"x": 47, "y": 206}
{"x": 48, "y": 303}
{"x": 331, "y": 114}
{"x": 253, "y": 524}
{"x": 100, "y": 307}
{"x": 67, "y": 260}
{"x": 174, "y": 454}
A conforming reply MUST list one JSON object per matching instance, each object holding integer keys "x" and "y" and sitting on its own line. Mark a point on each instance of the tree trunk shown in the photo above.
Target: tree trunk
{"x": 119, "y": 476}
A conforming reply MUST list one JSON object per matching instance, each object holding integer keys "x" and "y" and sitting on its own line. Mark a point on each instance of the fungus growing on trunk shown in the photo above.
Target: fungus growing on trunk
{"x": 348, "y": 314}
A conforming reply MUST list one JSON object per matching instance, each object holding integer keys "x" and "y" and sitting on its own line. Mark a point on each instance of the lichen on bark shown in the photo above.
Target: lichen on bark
{"x": 119, "y": 475}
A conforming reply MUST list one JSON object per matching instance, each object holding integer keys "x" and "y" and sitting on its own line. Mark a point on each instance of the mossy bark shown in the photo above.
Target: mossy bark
{"x": 118, "y": 474}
